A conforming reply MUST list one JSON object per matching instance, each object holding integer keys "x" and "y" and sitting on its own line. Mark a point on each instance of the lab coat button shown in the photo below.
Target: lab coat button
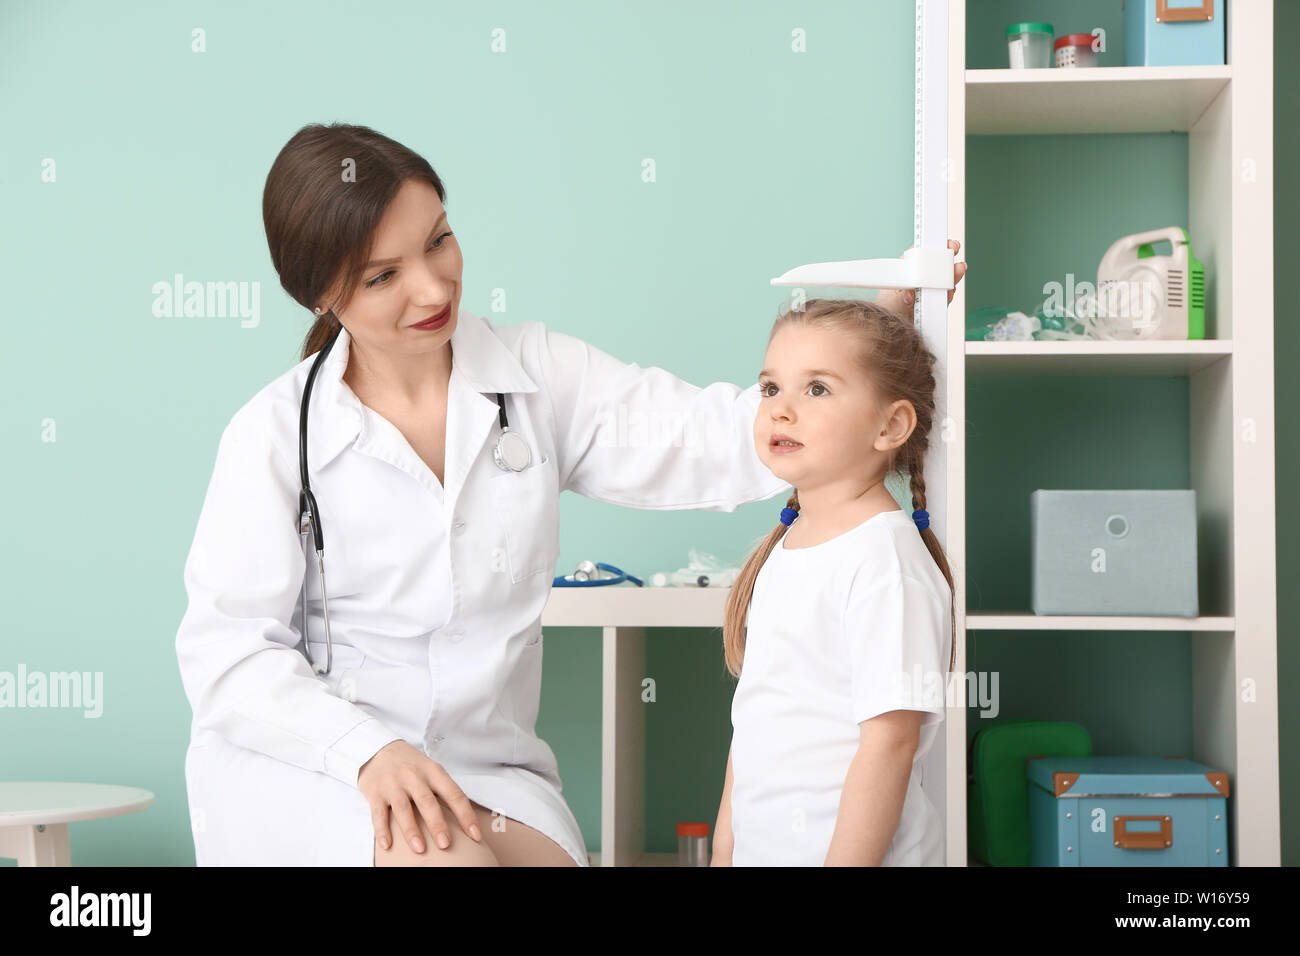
{"x": 458, "y": 527}
{"x": 439, "y": 739}
{"x": 455, "y": 636}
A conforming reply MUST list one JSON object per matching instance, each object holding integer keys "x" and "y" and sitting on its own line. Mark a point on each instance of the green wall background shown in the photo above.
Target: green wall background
{"x": 161, "y": 157}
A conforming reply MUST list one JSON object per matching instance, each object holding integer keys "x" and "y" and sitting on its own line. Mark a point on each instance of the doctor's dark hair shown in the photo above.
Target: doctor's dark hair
{"x": 324, "y": 197}
{"x": 893, "y": 355}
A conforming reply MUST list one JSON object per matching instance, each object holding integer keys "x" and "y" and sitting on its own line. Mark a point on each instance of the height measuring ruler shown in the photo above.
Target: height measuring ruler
{"x": 928, "y": 266}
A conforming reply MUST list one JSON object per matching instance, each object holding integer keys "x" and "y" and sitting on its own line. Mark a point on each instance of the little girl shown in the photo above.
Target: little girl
{"x": 843, "y": 616}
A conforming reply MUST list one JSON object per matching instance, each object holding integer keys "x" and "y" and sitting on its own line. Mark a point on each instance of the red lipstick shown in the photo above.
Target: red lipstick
{"x": 435, "y": 321}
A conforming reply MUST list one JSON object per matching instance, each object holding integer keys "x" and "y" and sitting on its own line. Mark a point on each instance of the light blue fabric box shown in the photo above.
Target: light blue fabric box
{"x": 1113, "y": 552}
{"x": 1172, "y": 41}
{"x": 1126, "y": 811}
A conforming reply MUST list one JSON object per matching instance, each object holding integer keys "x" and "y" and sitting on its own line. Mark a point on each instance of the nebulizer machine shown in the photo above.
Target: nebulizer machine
{"x": 1138, "y": 296}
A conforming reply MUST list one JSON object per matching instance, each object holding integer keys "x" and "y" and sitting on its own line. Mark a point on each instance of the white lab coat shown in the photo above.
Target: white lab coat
{"x": 435, "y": 594}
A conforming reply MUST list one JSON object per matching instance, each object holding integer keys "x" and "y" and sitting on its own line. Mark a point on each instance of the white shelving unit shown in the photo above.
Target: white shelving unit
{"x": 1094, "y": 358}
{"x": 1227, "y": 112}
{"x": 1113, "y": 99}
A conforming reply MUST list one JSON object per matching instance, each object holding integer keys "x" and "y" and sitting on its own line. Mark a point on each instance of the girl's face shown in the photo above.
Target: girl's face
{"x": 816, "y": 395}
{"x": 414, "y": 273}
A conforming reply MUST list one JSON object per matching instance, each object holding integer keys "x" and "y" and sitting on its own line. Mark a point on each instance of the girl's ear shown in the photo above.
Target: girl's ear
{"x": 900, "y": 421}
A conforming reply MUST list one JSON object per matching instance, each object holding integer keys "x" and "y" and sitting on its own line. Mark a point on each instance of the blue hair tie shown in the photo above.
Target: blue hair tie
{"x": 788, "y": 515}
{"x": 922, "y": 518}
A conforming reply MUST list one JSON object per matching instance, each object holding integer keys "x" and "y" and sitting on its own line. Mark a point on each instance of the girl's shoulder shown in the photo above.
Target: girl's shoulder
{"x": 885, "y": 547}
{"x": 889, "y": 550}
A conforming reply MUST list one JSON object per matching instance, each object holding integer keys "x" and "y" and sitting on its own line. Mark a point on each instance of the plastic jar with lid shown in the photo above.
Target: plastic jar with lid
{"x": 1029, "y": 45}
{"x": 692, "y": 844}
{"x": 1075, "y": 49}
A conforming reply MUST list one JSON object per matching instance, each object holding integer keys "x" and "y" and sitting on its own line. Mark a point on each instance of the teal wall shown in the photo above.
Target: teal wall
{"x": 162, "y": 154}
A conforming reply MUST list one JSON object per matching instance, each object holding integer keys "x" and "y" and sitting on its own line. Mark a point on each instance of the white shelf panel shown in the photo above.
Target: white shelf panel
{"x": 1165, "y": 358}
{"x": 623, "y": 606}
{"x": 1114, "y": 99}
{"x": 626, "y": 605}
{"x": 1029, "y": 621}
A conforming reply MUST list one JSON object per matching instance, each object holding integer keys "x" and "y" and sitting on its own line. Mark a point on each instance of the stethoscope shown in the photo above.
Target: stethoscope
{"x": 511, "y": 454}
{"x": 588, "y": 575}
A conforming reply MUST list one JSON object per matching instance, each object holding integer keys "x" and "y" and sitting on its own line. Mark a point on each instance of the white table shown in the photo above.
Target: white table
{"x": 34, "y": 815}
{"x": 623, "y": 612}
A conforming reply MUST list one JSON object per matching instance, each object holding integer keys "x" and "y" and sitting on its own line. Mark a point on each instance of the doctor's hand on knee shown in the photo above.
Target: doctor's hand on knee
{"x": 398, "y": 776}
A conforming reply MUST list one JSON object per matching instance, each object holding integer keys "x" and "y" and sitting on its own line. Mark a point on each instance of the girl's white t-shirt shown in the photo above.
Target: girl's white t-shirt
{"x": 837, "y": 633}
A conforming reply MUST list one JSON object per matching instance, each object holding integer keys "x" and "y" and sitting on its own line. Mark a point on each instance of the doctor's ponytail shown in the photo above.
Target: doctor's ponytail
{"x": 322, "y": 330}
{"x": 325, "y": 195}
{"x": 894, "y": 356}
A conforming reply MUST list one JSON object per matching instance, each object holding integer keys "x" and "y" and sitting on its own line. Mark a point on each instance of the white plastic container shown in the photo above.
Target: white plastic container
{"x": 1029, "y": 45}
{"x": 1075, "y": 50}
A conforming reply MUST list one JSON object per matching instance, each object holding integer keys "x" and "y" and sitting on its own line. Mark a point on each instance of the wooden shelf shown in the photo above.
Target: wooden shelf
{"x": 1029, "y": 621}
{"x": 1162, "y": 358}
{"x": 1115, "y": 99}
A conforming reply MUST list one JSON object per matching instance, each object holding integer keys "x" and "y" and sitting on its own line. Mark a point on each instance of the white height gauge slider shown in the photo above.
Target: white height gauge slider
{"x": 917, "y": 269}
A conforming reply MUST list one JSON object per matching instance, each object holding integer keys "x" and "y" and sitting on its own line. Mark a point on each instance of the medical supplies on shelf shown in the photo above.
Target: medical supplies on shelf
{"x": 703, "y": 570}
{"x": 1029, "y": 45}
{"x": 693, "y": 844}
{"x": 1141, "y": 295}
{"x": 1138, "y": 296}
{"x": 1076, "y": 50}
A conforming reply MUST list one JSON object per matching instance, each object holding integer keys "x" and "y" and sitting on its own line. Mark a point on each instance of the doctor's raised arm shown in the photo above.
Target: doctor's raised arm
{"x": 644, "y": 438}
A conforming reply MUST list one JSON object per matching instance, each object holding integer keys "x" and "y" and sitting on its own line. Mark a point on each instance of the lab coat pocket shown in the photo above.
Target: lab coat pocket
{"x": 528, "y": 510}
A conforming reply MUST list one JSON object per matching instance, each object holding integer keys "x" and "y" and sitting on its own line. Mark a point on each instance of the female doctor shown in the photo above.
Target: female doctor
{"x": 393, "y": 723}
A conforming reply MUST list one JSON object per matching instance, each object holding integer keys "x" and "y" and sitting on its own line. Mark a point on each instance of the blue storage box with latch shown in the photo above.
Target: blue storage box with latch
{"x": 1173, "y": 32}
{"x": 1126, "y": 811}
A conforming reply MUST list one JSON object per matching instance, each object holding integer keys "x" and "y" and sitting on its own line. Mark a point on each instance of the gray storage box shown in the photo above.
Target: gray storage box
{"x": 1113, "y": 552}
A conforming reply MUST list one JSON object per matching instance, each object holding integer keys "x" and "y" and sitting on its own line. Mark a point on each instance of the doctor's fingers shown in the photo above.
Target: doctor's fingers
{"x": 455, "y": 799}
{"x": 418, "y": 787}
{"x": 908, "y": 296}
{"x": 959, "y": 270}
